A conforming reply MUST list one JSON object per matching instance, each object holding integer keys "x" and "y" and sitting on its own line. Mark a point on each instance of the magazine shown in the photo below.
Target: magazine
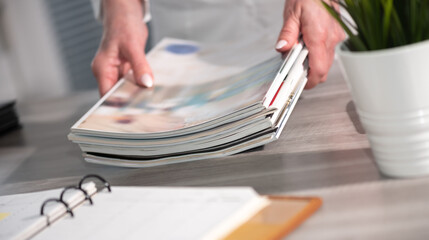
{"x": 208, "y": 101}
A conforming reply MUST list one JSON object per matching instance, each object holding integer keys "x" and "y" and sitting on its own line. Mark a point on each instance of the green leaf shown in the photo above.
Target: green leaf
{"x": 381, "y": 24}
{"x": 388, "y": 5}
{"x": 356, "y": 42}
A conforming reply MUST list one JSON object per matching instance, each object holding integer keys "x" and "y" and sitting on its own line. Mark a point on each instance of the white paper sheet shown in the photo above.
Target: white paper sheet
{"x": 152, "y": 213}
{"x": 20, "y": 213}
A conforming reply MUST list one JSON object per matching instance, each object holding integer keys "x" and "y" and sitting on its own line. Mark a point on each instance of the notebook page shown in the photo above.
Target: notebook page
{"x": 20, "y": 213}
{"x": 151, "y": 213}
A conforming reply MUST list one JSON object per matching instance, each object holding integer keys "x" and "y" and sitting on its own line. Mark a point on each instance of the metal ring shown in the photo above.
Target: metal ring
{"x": 87, "y": 196}
{"x": 106, "y": 183}
{"x": 58, "y": 201}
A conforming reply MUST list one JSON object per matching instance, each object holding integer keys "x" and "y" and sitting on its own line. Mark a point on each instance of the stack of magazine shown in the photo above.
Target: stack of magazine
{"x": 208, "y": 102}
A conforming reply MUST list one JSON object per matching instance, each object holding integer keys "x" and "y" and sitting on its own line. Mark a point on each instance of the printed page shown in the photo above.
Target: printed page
{"x": 152, "y": 213}
{"x": 20, "y": 213}
{"x": 194, "y": 84}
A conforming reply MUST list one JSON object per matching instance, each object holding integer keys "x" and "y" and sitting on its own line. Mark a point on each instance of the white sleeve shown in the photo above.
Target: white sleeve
{"x": 98, "y": 10}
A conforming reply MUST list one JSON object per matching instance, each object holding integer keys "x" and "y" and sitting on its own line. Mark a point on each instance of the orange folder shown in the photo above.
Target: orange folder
{"x": 281, "y": 216}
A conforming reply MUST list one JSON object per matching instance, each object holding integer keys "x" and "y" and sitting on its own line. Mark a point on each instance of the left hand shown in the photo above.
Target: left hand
{"x": 320, "y": 32}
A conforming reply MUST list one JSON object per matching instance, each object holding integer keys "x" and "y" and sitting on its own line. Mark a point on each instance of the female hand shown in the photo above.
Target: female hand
{"x": 122, "y": 45}
{"x": 320, "y": 32}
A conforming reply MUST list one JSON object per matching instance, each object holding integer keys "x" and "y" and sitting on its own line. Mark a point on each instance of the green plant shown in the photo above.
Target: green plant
{"x": 380, "y": 24}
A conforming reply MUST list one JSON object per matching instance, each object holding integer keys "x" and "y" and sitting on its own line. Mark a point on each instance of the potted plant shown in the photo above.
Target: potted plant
{"x": 385, "y": 62}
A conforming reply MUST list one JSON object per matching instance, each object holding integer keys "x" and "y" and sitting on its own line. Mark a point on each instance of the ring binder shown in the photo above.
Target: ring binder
{"x": 87, "y": 197}
{"x": 68, "y": 210}
{"x": 106, "y": 183}
{"x": 237, "y": 213}
{"x": 78, "y": 187}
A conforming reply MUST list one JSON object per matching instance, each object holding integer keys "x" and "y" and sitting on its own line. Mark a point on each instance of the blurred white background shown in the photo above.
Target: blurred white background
{"x": 46, "y": 47}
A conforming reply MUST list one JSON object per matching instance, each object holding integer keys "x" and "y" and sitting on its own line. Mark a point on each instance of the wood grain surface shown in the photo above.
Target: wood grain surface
{"x": 323, "y": 147}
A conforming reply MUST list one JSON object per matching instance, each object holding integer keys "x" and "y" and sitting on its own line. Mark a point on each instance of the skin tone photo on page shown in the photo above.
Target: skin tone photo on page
{"x": 125, "y": 35}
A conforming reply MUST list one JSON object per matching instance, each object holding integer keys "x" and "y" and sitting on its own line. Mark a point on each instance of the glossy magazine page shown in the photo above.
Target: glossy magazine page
{"x": 194, "y": 85}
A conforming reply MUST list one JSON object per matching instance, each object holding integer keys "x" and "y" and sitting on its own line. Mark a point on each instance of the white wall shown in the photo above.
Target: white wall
{"x": 31, "y": 65}
{"x": 7, "y": 89}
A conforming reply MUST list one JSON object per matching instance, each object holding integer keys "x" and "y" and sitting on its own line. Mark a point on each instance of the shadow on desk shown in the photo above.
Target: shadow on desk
{"x": 354, "y": 118}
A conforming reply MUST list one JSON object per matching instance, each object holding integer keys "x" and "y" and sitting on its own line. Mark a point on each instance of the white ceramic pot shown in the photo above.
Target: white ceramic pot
{"x": 390, "y": 89}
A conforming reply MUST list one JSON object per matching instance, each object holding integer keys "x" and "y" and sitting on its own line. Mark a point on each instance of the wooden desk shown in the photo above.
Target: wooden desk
{"x": 323, "y": 151}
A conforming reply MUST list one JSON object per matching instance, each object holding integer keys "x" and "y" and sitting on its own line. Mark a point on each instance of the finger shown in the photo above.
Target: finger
{"x": 124, "y": 68}
{"x": 311, "y": 83}
{"x": 141, "y": 69}
{"x": 105, "y": 71}
{"x": 289, "y": 34}
{"x": 319, "y": 63}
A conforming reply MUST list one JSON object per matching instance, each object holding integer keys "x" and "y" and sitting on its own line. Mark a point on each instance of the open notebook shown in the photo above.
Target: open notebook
{"x": 152, "y": 213}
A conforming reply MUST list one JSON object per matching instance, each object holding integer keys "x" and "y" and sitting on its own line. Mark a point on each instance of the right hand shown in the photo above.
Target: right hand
{"x": 320, "y": 32}
{"x": 122, "y": 45}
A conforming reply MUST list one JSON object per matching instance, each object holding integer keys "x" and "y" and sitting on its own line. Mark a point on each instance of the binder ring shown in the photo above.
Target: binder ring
{"x": 87, "y": 196}
{"x": 106, "y": 183}
{"x": 58, "y": 201}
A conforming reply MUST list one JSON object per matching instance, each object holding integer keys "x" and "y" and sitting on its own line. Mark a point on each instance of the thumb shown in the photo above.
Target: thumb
{"x": 141, "y": 70}
{"x": 289, "y": 34}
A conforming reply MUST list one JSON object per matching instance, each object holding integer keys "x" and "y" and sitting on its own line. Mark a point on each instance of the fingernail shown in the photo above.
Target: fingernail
{"x": 146, "y": 80}
{"x": 281, "y": 44}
